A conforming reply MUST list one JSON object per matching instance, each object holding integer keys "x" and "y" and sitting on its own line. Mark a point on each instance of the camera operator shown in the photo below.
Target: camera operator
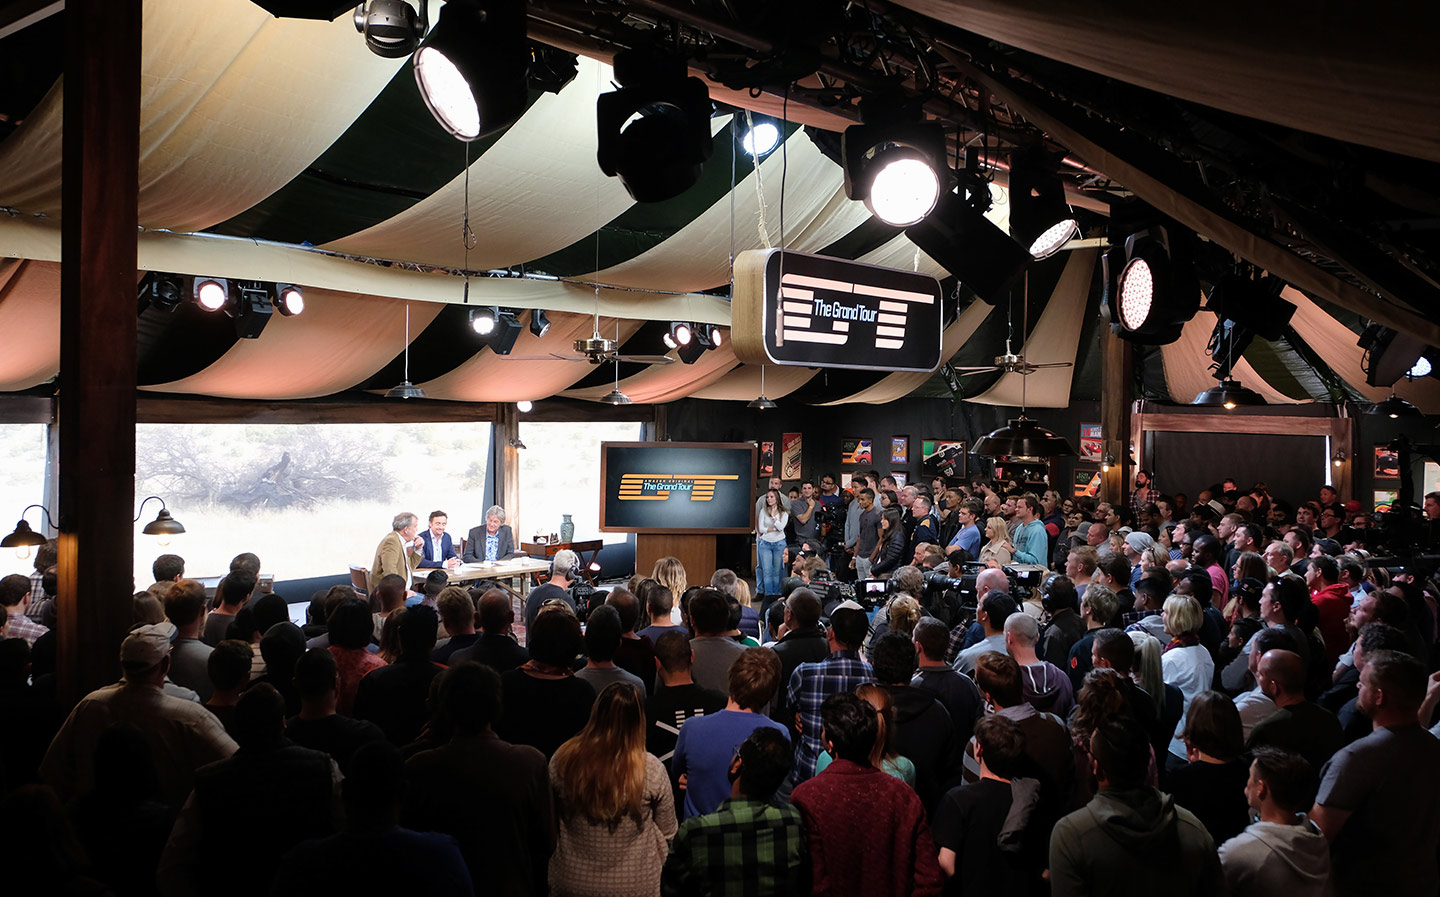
{"x": 1062, "y": 609}
{"x": 904, "y": 582}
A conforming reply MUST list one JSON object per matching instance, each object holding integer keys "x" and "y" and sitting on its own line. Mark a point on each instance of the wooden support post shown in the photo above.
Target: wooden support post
{"x": 1117, "y": 378}
{"x": 507, "y": 478}
{"x": 96, "y": 408}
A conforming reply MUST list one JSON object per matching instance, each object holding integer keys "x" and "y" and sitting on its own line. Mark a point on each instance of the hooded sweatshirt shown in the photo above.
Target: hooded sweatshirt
{"x": 1047, "y": 688}
{"x": 1270, "y": 858}
{"x": 925, "y": 735}
{"x": 1133, "y": 841}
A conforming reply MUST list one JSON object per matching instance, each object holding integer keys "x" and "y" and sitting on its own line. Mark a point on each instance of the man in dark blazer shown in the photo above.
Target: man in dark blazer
{"x": 475, "y": 550}
{"x": 439, "y": 549}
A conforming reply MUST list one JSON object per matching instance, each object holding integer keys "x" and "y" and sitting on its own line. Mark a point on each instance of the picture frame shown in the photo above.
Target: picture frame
{"x": 942, "y": 458}
{"x": 855, "y": 451}
{"x": 901, "y": 478}
{"x": 1387, "y": 463}
{"x": 767, "y": 459}
{"x": 1384, "y": 500}
{"x": 1092, "y": 443}
{"x": 1087, "y": 483}
{"x": 900, "y": 450}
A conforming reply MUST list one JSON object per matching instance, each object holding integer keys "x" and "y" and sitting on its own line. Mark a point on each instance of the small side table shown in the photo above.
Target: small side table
{"x": 587, "y": 552}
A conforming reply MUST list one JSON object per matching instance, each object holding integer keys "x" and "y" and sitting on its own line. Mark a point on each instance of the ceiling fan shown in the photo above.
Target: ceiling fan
{"x": 1011, "y": 363}
{"x": 597, "y": 350}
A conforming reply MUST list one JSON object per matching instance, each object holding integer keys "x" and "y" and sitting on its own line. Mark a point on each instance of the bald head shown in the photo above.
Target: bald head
{"x": 1023, "y": 629}
{"x": 496, "y": 614}
{"x": 1281, "y": 673}
{"x": 991, "y": 578}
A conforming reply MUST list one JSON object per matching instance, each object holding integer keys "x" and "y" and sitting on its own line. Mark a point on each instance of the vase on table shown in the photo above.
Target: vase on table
{"x": 567, "y": 528}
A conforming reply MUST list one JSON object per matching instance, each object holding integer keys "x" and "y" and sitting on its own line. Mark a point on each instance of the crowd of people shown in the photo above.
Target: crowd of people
{"x": 1201, "y": 698}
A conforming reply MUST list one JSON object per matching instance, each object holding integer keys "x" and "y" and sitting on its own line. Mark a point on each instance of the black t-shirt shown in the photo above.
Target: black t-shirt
{"x": 539, "y": 596}
{"x": 336, "y": 735}
{"x": 1215, "y": 793}
{"x": 968, "y": 821}
{"x": 543, "y": 713}
{"x": 499, "y": 652}
{"x": 668, "y": 708}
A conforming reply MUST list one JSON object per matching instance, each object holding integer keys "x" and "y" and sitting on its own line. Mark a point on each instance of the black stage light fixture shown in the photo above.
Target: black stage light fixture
{"x": 473, "y": 68}
{"x": 164, "y": 291}
{"x": 551, "y": 69}
{"x": 539, "y": 323}
{"x": 210, "y": 293}
{"x": 325, "y": 10}
{"x": 289, "y": 299}
{"x": 1040, "y": 217}
{"x": 1150, "y": 286}
{"x": 897, "y": 169}
{"x": 654, "y": 132}
{"x": 483, "y": 320}
{"x": 392, "y": 28}
{"x": 1253, "y": 302}
{"x": 709, "y": 335}
{"x": 251, "y": 307}
{"x": 1389, "y": 355}
{"x": 678, "y": 335}
{"x": 1423, "y": 367}
{"x": 759, "y": 134}
{"x": 507, "y": 331}
{"x": 959, "y": 237}
{"x": 691, "y": 351}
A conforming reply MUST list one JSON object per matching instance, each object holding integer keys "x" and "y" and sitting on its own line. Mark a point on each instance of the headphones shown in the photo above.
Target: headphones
{"x": 392, "y": 28}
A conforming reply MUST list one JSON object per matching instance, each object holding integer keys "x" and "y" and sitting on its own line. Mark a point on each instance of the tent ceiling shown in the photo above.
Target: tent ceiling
{"x": 264, "y": 138}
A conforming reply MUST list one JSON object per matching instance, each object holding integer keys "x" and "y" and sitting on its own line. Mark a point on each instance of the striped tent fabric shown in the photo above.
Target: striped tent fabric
{"x": 282, "y": 150}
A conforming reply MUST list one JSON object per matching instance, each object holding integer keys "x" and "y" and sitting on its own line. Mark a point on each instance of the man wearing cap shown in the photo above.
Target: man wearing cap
{"x": 183, "y": 736}
{"x": 1136, "y": 544}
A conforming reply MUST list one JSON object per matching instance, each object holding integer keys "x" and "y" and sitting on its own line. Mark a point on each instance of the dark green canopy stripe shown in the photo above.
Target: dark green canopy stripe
{"x": 644, "y": 226}
{"x": 392, "y": 157}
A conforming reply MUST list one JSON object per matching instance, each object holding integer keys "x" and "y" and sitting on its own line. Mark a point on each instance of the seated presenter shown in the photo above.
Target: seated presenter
{"x": 492, "y": 542}
{"x": 399, "y": 551}
{"x": 439, "y": 549}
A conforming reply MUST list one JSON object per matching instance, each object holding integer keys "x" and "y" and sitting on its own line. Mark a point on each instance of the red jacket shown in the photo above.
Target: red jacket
{"x": 867, "y": 834}
{"x": 1333, "y": 602}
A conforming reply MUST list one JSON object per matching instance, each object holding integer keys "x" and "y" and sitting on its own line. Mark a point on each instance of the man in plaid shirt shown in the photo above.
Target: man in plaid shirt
{"x": 15, "y": 596}
{"x": 812, "y": 683}
{"x": 748, "y": 846}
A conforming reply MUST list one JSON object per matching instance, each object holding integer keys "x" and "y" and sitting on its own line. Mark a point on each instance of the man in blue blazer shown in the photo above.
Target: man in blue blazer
{"x": 492, "y": 542}
{"x": 439, "y": 551}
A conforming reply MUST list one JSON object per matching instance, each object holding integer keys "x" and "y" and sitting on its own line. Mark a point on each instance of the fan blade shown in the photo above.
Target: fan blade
{"x": 976, "y": 369}
{"x": 1052, "y": 364}
{"x": 645, "y": 359}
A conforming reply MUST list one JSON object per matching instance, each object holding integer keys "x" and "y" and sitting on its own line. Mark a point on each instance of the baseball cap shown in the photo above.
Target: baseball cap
{"x": 145, "y": 647}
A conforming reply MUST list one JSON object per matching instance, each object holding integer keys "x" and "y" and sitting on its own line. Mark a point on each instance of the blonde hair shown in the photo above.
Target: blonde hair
{"x": 670, "y": 573}
{"x": 1183, "y": 615}
{"x": 1147, "y": 670}
{"x": 884, "y": 749}
{"x": 742, "y": 592}
{"x": 600, "y": 773}
{"x": 995, "y": 528}
{"x": 904, "y": 613}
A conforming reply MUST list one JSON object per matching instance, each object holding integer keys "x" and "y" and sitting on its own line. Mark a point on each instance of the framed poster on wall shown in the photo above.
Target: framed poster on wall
{"x": 1387, "y": 463}
{"x": 942, "y": 459}
{"x": 900, "y": 450}
{"x": 1092, "y": 438}
{"x": 855, "y": 451}
{"x": 767, "y": 460}
{"x": 1087, "y": 482}
{"x": 900, "y": 478}
{"x": 790, "y": 456}
{"x": 1384, "y": 499}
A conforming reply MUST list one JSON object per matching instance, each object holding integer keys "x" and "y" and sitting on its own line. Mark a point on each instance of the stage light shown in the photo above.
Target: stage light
{"x": 761, "y": 137}
{"x": 472, "y": 69}
{"x": 1228, "y": 394}
{"x": 539, "y": 323}
{"x": 507, "y": 332}
{"x": 709, "y": 335}
{"x": 959, "y": 237}
{"x": 524, "y": 406}
{"x": 164, "y": 291}
{"x": 289, "y": 299}
{"x": 392, "y": 28}
{"x": 1150, "y": 286}
{"x": 654, "y": 132}
{"x": 211, "y": 293}
{"x": 678, "y": 335}
{"x": 1040, "y": 217}
{"x": 1421, "y": 368}
{"x": 251, "y": 307}
{"x": 551, "y": 68}
{"x": 1251, "y": 302}
{"x": 483, "y": 320}
{"x": 897, "y": 169}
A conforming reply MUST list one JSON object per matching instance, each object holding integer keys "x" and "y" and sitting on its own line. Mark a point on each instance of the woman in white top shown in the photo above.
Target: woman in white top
{"x": 770, "y": 542}
{"x": 1186, "y": 663}
{"x": 996, "y": 536}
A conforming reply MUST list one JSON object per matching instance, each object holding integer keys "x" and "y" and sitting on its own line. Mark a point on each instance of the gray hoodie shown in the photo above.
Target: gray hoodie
{"x": 1270, "y": 858}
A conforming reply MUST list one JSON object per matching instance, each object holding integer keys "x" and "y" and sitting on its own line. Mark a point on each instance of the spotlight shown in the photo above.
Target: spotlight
{"x": 678, "y": 335}
{"x": 654, "y": 132}
{"x": 1228, "y": 394}
{"x": 525, "y": 406}
{"x": 1390, "y": 355}
{"x": 897, "y": 170}
{"x": 211, "y": 293}
{"x": 1040, "y": 217}
{"x": 1155, "y": 291}
{"x": 539, "y": 323}
{"x": 392, "y": 28}
{"x": 507, "y": 332}
{"x": 706, "y": 337}
{"x": 472, "y": 69}
{"x": 483, "y": 320}
{"x": 760, "y": 136}
{"x": 551, "y": 69}
{"x": 1253, "y": 302}
{"x": 289, "y": 299}
{"x": 964, "y": 242}
{"x": 164, "y": 291}
{"x": 1421, "y": 368}
{"x": 251, "y": 307}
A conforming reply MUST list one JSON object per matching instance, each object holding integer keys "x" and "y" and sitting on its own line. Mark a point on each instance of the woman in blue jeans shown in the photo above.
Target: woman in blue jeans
{"x": 770, "y": 542}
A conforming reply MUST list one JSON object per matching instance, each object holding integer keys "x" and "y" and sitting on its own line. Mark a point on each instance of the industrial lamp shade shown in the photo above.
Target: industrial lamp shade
{"x": 163, "y": 525}
{"x": 762, "y": 403}
{"x": 1228, "y": 394}
{"x": 23, "y": 537}
{"x": 1023, "y": 436}
{"x": 1394, "y": 407}
{"x": 616, "y": 397}
{"x": 406, "y": 390}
